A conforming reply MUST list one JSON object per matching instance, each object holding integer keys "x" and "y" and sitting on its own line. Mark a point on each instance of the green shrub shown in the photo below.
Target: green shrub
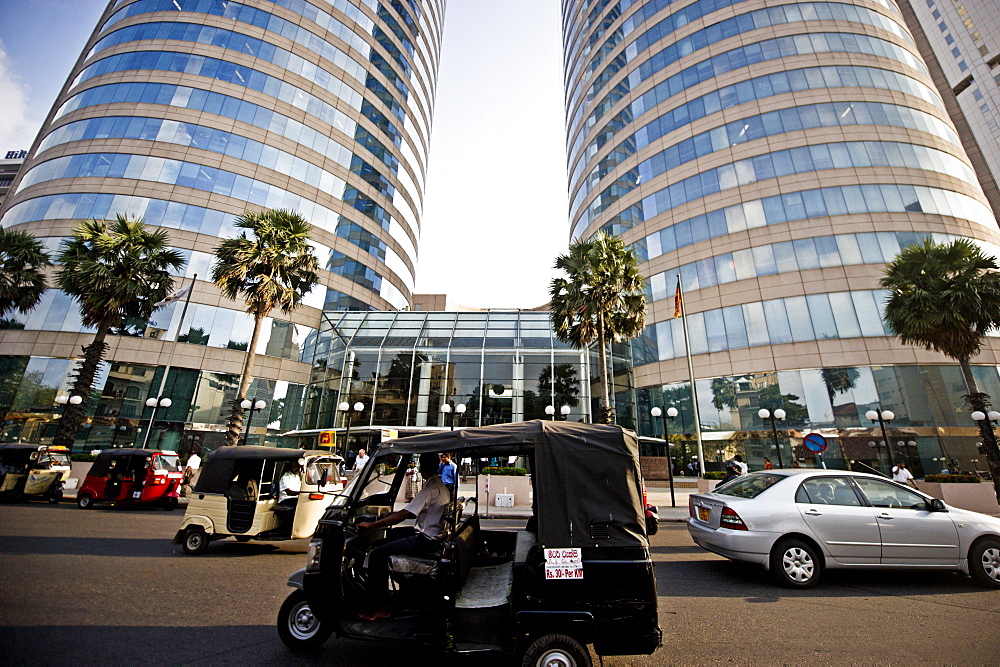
{"x": 713, "y": 474}
{"x": 953, "y": 479}
{"x": 82, "y": 458}
{"x": 513, "y": 472}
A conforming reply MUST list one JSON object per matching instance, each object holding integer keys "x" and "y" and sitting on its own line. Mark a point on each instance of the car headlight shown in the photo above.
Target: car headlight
{"x": 314, "y": 555}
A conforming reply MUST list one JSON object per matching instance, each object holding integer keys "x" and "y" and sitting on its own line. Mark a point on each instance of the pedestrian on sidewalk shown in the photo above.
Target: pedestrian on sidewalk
{"x": 767, "y": 464}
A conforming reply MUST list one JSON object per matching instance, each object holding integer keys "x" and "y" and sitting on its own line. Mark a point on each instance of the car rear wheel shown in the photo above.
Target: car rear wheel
{"x": 556, "y": 651}
{"x": 984, "y": 562}
{"x": 84, "y": 502}
{"x": 195, "y": 540}
{"x": 299, "y": 628}
{"x": 796, "y": 564}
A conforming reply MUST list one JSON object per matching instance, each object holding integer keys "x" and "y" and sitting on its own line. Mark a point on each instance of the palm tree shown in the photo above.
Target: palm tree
{"x": 22, "y": 278}
{"x": 116, "y": 271}
{"x": 946, "y": 297}
{"x": 274, "y": 269}
{"x": 601, "y": 300}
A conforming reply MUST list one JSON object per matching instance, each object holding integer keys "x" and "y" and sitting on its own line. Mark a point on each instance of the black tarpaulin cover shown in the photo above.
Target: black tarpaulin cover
{"x": 586, "y": 477}
{"x": 217, "y": 471}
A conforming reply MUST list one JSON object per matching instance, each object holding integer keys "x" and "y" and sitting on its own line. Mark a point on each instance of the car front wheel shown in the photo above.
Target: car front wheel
{"x": 299, "y": 628}
{"x": 984, "y": 562}
{"x": 556, "y": 651}
{"x": 795, "y": 564}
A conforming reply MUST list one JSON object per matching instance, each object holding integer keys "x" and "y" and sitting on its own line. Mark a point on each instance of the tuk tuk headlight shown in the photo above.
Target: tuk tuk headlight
{"x": 314, "y": 555}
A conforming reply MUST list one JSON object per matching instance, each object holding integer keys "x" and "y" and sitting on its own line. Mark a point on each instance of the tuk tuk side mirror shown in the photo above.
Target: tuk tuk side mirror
{"x": 33, "y": 456}
{"x": 323, "y": 476}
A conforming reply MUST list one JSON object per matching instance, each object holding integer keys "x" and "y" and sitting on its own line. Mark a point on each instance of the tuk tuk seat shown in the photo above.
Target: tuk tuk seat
{"x": 460, "y": 547}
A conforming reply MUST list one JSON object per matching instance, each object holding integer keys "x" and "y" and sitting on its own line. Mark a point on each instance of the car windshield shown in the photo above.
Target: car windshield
{"x": 750, "y": 486}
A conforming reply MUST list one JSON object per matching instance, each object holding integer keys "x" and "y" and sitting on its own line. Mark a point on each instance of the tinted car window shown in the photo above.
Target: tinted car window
{"x": 750, "y": 486}
{"x": 886, "y": 494}
{"x": 828, "y": 491}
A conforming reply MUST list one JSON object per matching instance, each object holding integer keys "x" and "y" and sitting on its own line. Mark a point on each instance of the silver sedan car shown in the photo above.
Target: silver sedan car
{"x": 797, "y": 522}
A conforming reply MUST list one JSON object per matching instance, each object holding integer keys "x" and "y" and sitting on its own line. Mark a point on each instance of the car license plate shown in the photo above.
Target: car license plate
{"x": 703, "y": 513}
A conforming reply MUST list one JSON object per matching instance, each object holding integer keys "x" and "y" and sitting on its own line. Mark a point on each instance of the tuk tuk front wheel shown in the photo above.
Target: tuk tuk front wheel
{"x": 299, "y": 628}
{"x": 195, "y": 540}
{"x": 556, "y": 651}
{"x": 84, "y": 502}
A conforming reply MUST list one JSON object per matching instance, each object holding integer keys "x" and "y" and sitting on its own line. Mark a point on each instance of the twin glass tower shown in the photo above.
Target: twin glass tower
{"x": 773, "y": 155}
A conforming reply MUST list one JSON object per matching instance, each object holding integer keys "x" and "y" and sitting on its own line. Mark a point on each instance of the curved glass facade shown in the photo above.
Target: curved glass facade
{"x": 189, "y": 112}
{"x": 773, "y": 190}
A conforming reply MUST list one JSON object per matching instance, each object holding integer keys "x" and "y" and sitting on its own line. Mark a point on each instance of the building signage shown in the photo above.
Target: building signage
{"x": 15, "y": 155}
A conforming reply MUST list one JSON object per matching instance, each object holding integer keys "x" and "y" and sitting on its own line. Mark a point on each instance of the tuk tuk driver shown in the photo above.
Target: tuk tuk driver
{"x": 289, "y": 486}
{"x": 428, "y": 506}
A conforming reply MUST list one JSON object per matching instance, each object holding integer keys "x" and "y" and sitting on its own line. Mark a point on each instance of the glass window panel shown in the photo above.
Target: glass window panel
{"x": 824, "y": 325}
{"x": 778, "y": 328}
{"x": 798, "y": 319}
{"x": 756, "y": 324}
{"x": 847, "y": 247}
{"x": 843, "y": 312}
{"x": 869, "y": 315}
{"x": 697, "y": 333}
{"x": 736, "y": 332}
{"x": 763, "y": 259}
{"x": 805, "y": 254}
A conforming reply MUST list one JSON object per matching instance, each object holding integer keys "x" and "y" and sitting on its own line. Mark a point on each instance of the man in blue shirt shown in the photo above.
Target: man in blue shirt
{"x": 448, "y": 472}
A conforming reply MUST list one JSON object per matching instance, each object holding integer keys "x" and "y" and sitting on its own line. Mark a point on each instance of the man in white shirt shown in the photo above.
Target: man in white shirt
{"x": 289, "y": 484}
{"x": 902, "y": 475}
{"x": 428, "y": 506}
{"x": 360, "y": 460}
{"x": 191, "y": 472}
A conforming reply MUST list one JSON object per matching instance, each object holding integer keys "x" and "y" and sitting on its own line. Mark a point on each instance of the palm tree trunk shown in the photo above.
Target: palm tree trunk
{"x": 980, "y": 401}
{"x": 74, "y": 415}
{"x": 606, "y": 416}
{"x": 235, "y": 425}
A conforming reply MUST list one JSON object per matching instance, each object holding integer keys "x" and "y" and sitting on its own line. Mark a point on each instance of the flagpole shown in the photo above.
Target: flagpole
{"x": 173, "y": 348}
{"x": 679, "y": 311}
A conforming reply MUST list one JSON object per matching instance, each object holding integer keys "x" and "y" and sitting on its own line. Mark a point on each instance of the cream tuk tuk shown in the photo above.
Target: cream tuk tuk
{"x": 239, "y": 494}
{"x": 33, "y": 470}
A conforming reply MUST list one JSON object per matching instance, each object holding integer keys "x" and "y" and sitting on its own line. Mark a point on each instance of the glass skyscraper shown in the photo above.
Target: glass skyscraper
{"x": 187, "y": 113}
{"x": 774, "y": 156}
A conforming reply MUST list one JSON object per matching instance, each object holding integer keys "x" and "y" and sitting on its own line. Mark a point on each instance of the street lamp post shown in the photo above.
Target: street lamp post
{"x": 349, "y": 411}
{"x": 778, "y": 415}
{"x": 154, "y": 403}
{"x": 881, "y": 416}
{"x": 985, "y": 423}
{"x": 450, "y": 412}
{"x": 252, "y": 406}
{"x": 671, "y": 413}
{"x": 116, "y": 430}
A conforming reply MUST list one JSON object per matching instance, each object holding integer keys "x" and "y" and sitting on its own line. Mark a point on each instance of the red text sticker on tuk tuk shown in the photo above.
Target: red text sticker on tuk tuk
{"x": 563, "y": 564}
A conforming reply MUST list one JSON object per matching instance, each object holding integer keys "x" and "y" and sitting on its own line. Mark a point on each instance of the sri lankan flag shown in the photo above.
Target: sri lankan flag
{"x": 678, "y": 304}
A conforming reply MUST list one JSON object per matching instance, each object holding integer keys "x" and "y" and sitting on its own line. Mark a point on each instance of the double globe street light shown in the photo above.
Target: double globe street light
{"x": 550, "y": 410}
{"x": 450, "y": 412}
{"x": 154, "y": 403}
{"x": 776, "y": 416}
{"x": 881, "y": 416}
{"x": 657, "y": 413}
{"x": 252, "y": 406}
{"x": 349, "y": 411}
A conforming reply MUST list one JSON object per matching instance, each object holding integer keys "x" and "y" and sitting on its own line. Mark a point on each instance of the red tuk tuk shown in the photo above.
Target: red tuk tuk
{"x": 132, "y": 477}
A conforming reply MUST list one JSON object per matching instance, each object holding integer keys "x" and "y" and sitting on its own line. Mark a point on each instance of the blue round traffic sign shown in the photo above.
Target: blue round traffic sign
{"x": 815, "y": 442}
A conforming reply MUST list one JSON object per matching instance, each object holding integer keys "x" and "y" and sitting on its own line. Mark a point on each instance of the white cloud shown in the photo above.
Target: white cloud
{"x": 17, "y": 127}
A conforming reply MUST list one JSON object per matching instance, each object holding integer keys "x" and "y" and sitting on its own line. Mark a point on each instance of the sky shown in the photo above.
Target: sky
{"x": 495, "y": 211}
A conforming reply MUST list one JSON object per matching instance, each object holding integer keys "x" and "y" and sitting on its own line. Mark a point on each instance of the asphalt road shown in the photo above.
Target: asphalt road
{"x": 106, "y": 586}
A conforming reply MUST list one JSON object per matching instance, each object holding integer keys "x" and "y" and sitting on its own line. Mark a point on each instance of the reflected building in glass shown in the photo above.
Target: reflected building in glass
{"x": 187, "y": 113}
{"x": 774, "y": 156}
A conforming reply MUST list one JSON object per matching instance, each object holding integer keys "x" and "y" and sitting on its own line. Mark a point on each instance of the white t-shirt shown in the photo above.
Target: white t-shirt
{"x": 901, "y": 475}
{"x": 360, "y": 461}
{"x": 428, "y": 506}
{"x": 289, "y": 486}
{"x": 194, "y": 462}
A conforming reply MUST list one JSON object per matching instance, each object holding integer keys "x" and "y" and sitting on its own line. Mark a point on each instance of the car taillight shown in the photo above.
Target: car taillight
{"x": 730, "y": 519}
{"x": 690, "y": 506}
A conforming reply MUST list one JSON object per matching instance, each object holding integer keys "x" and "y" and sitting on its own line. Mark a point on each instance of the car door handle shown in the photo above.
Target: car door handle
{"x": 883, "y": 515}
{"x": 812, "y": 512}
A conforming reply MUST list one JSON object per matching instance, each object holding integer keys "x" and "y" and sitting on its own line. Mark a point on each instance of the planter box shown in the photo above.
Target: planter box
{"x": 706, "y": 485}
{"x": 520, "y": 486}
{"x": 980, "y": 497}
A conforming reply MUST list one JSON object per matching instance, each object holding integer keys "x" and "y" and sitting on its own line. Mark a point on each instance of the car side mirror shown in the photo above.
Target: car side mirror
{"x": 935, "y": 505}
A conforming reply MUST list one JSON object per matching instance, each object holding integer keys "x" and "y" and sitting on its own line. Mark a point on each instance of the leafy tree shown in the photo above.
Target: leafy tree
{"x": 601, "y": 300}
{"x": 22, "y": 271}
{"x": 946, "y": 297}
{"x": 723, "y": 393}
{"x": 274, "y": 269}
{"x": 560, "y": 381}
{"x": 115, "y": 271}
{"x": 839, "y": 380}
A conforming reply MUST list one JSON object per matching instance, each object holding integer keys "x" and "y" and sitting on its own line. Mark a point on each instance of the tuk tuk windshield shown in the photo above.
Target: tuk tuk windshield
{"x": 322, "y": 470}
{"x": 47, "y": 459}
{"x": 166, "y": 462}
{"x": 377, "y": 477}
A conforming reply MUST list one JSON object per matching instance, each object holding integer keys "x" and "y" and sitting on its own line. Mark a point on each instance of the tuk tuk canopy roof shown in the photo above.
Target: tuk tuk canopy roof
{"x": 103, "y": 462}
{"x": 217, "y": 470}
{"x": 586, "y": 477}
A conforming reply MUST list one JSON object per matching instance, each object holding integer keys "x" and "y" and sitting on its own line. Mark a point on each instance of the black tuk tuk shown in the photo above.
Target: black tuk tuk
{"x": 579, "y": 572}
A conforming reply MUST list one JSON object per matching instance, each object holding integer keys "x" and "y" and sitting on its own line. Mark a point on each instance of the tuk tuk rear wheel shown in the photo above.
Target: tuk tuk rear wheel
{"x": 170, "y": 503}
{"x": 84, "y": 502}
{"x": 556, "y": 650}
{"x": 195, "y": 540}
{"x": 298, "y": 627}
{"x": 56, "y": 496}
